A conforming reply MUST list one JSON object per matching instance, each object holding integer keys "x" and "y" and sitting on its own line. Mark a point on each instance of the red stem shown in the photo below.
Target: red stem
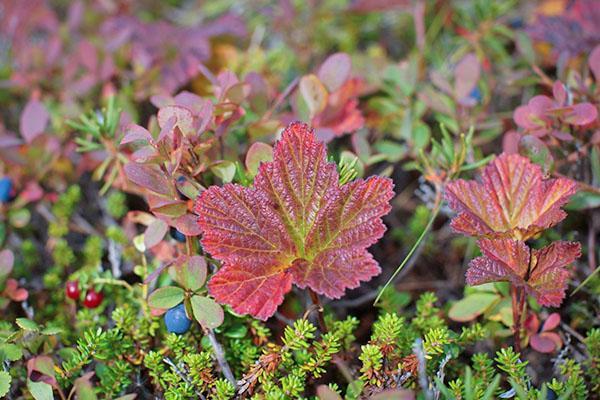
{"x": 518, "y": 309}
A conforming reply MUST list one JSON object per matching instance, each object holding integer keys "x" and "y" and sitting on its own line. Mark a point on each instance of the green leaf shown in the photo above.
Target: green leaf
{"x": 166, "y": 297}
{"x": 472, "y": 306}
{"x": 583, "y": 201}
{"x": 191, "y": 273}
{"x": 27, "y": 324}
{"x": 51, "y": 330}
{"x": 10, "y": 351}
{"x": 313, "y": 93}
{"x": 207, "y": 312}
{"x": 354, "y": 390}
{"x": 83, "y": 387}
{"x": 40, "y": 390}
{"x": 5, "y": 380}
{"x": 225, "y": 170}
{"x": 19, "y": 218}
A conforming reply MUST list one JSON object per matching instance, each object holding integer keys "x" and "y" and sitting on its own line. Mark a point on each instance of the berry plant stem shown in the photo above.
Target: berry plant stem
{"x": 317, "y": 302}
{"x": 518, "y": 310}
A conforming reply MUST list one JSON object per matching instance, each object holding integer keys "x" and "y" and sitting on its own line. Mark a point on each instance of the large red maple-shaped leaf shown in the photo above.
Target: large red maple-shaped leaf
{"x": 542, "y": 272}
{"x": 513, "y": 200}
{"x": 296, "y": 225}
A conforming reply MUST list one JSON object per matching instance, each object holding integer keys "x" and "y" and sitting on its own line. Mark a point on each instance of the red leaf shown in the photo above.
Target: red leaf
{"x": 296, "y": 225}
{"x": 134, "y": 133}
{"x": 541, "y": 272}
{"x": 14, "y": 292}
{"x": 513, "y": 200}
{"x": 551, "y": 322}
{"x": 546, "y": 342}
{"x": 148, "y": 177}
{"x": 33, "y": 120}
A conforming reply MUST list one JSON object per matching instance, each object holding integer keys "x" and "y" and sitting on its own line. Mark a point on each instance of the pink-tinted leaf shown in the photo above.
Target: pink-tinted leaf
{"x": 33, "y": 120}
{"x": 513, "y": 200}
{"x": 187, "y": 225}
{"x": 581, "y": 114}
{"x": 545, "y": 342}
{"x": 510, "y": 142}
{"x": 548, "y": 275}
{"x": 296, "y": 225}
{"x": 466, "y": 75}
{"x": 551, "y": 322}
{"x": 148, "y": 177}
{"x": 41, "y": 369}
{"x": 31, "y": 192}
{"x": 14, "y": 292}
{"x": 533, "y": 116}
{"x": 594, "y": 62}
{"x": 342, "y": 114}
{"x": 326, "y": 393}
{"x": 542, "y": 273}
{"x": 335, "y": 70}
{"x": 155, "y": 233}
{"x": 134, "y": 133}
{"x": 532, "y": 324}
{"x": 7, "y": 259}
{"x": 559, "y": 93}
{"x": 184, "y": 119}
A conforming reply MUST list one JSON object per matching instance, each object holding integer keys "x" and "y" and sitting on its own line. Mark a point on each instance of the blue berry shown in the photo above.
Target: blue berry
{"x": 551, "y": 395}
{"x": 475, "y": 94}
{"x": 5, "y": 189}
{"x": 176, "y": 320}
{"x": 175, "y": 234}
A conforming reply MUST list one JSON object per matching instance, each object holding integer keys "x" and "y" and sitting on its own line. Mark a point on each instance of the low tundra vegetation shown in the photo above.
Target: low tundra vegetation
{"x": 299, "y": 200}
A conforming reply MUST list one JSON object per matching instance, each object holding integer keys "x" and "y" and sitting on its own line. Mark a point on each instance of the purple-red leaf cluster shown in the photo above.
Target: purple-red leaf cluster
{"x": 296, "y": 225}
{"x": 513, "y": 203}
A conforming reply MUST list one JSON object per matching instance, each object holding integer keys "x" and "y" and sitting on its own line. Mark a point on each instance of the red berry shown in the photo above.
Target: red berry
{"x": 92, "y": 298}
{"x": 72, "y": 290}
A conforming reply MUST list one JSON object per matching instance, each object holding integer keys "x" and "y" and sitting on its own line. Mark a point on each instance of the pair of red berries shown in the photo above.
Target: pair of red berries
{"x": 92, "y": 298}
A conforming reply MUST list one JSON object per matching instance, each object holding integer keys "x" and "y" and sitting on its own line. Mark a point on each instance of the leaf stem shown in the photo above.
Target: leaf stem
{"x": 317, "y": 302}
{"x": 518, "y": 310}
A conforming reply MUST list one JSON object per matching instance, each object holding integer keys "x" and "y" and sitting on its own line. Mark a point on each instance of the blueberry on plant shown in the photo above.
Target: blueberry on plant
{"x": 177, "y": 320}
{"x": 177, "y": 235}
{"x": 5, "y": 189}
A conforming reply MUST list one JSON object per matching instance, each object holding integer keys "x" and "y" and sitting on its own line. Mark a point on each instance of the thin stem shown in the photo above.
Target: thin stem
{"x": 436, "y": 210}
{"x": 317, "y": 302}
{"x": 116, "y": 282}
{"x": 220, "y": 356}
{"x": 518, "y": 310}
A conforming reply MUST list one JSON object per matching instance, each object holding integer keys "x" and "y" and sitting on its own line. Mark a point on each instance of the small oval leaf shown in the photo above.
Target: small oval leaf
{"x": 207, "y": 312}
{"x": 166, "y": 297}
